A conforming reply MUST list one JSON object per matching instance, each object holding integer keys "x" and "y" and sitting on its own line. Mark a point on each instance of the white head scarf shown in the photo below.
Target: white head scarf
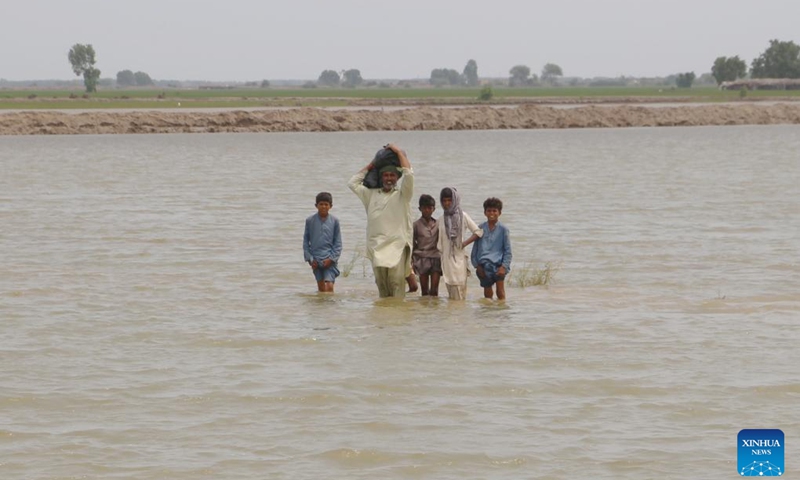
{"x": 453, "y": 226}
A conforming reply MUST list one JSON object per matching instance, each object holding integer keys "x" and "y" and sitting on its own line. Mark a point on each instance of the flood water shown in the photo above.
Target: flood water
{"x": 157, "y": 319}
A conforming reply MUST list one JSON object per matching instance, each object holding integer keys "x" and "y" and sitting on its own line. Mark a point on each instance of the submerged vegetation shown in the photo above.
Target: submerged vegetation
{"x": 356, "y": 257}
{"x": 529, "y": 275}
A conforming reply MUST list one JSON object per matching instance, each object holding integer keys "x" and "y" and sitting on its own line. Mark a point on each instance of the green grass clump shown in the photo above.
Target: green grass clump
{"x": 486, "y": 93}
{"x": 531, "y": 276}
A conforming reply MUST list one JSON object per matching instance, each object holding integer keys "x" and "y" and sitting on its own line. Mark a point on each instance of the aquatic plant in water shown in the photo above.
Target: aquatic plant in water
{"x": 531, "y": 276}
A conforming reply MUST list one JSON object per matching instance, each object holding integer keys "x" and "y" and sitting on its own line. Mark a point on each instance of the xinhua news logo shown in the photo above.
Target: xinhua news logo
{"x": 761, "y": 453}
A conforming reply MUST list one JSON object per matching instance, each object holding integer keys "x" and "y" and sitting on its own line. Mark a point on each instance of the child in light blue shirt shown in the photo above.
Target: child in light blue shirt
{"x": 322, "y": 243}
{"x": 491, "y": 253}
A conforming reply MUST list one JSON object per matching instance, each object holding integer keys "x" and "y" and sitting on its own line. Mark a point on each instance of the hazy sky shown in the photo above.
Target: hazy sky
{"x": 239, "y": 40}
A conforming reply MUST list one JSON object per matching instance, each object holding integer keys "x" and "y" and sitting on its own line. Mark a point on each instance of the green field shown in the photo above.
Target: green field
{"x": 327, "y": 97}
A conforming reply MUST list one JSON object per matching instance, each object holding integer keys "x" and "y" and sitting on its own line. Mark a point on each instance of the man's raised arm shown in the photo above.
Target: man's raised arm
{"x": 357, "y": 186}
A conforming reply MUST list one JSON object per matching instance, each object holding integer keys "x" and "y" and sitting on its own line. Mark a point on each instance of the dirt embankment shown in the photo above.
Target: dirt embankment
{"x": 420, "y": 118}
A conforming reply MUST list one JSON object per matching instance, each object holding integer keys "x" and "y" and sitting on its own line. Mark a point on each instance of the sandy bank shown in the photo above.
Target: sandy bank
{"x": 422, "y": 118}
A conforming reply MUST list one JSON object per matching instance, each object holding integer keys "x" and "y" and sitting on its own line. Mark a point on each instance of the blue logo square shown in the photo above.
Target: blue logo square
{"x": 761, "y": 453}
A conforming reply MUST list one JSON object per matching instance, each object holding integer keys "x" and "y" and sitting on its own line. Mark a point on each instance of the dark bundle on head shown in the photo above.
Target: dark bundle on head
{"x": 446, "y": 193}
{"x": 493, "y": 202}
{"x": 426, "y": 200}
{"x": 386, "y": 156}
{"x": 324, "y": 197}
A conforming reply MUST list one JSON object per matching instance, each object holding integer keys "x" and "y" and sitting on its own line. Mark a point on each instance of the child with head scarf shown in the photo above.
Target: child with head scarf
{"x": 451, "y": 242}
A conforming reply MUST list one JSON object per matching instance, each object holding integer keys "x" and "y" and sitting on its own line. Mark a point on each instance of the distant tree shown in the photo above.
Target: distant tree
{"x": 519, "y": 75}
{"x": 780, "y": 60}
{"x": 81, "y": 57}
{"x": 608, "y": 82}
{"x": 705, "y": 79}
{"x": 551, "y": 72}
{"x": 685, "y": 80}
{"x": 352, "y": 78}
{"x": 143, "y": 79}
{"x": 728, "y": 69}
{"x": 446, "y": 76}
{"x": 125, "y": 78}
{"x": 454, "y": 78}
{"x": 264, "y": 83}
{"x": 470, "y": 74}
{"x": 329, "y": 78}
{"x": 438, "y": 76}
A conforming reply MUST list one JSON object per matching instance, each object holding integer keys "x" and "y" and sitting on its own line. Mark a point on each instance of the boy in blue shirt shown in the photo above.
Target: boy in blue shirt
{"x": 322, "y": 243}
{"x": 491, "y": 253}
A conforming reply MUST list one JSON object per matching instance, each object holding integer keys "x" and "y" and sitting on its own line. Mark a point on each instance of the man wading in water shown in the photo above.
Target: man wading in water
{"x": 389, "y": 233}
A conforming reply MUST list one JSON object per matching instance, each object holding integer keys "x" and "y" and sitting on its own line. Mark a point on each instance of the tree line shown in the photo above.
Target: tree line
{"x": 439, "y": 76}
{"x": 520, "y": 76}
{"x": 348, "y": 78}
{"x": 82, "y": 59}
{"x": 127, "y": 78}
{"x": 780, "y": 60}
